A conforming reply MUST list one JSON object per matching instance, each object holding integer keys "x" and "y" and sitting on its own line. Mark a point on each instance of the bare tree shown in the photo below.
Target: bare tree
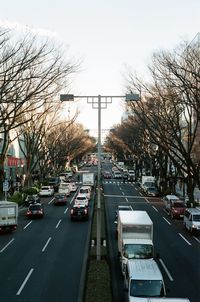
{"x": 32, "y": 72}
{"x": 169, "y": 108}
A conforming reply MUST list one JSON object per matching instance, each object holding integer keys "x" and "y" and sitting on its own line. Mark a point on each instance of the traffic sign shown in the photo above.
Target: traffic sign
{"x": 5, "y": 186}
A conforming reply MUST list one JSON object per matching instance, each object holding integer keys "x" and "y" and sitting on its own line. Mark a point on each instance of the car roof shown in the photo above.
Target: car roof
{"x": 144, "y": 269}
{"x": 171, "y": 196}
{"x": 193, "y": 210}
{"x": 124, "y": 207}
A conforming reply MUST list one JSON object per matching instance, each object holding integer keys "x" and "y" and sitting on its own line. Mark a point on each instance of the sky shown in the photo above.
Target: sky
{"x": 106, "y": 36}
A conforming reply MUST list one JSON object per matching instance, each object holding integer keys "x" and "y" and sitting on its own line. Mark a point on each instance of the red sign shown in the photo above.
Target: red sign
{"x": 14, "y": 161}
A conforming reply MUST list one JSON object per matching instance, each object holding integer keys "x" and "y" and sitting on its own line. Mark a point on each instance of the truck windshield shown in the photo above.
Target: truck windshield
{"x": 138, "y": 251}
{"x": 146, "y": 288}
{"x": 196, "y": 217}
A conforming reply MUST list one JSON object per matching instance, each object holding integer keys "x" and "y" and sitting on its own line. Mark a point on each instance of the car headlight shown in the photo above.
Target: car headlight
{"x": 194, "y": 226}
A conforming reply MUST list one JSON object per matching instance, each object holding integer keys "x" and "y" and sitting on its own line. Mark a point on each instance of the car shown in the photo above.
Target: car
{"x": 55, "y": 183}
{"x": 191, "y": 220}
{"x": 46, "y": 191}
{"x": 31, "y": 199}
{"x": 81, "y": 199}
{"x": 64, "y": 188}
{"x": 131, "y": 175}
{"x": 152, "y": 191}
{"x": 73, "y": 187}
{"x": 79, "y": 212}
{"x": 60, "y": 199}
{"x": 117, "y": 175}
{"x": 107, "y": 175}
{"x": 35, "y": 210}
{"x": 85, "y": 190}
{"x": 174, "y": 206}
{"x": 122, "y": 207}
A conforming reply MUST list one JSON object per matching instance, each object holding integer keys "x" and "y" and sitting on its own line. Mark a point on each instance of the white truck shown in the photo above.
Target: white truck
{"x": 88, "y": 179}
{"x": 135, "y": 236}
{"x": 8, "y": 215}
{"x": 147, "y": 181}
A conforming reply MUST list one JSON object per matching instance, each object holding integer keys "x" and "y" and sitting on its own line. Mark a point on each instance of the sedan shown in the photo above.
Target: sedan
{"x": 60, "y": 199}
{"x": 35, "y": 210}
{"x": 32, "y": 199}
{"x": 46, "y": 191}
{"x": 79, "y": 212}
{"x": 81, "y": 199}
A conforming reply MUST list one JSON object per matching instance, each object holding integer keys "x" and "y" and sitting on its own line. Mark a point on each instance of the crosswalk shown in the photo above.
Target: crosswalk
{"x": 116, "y": 182}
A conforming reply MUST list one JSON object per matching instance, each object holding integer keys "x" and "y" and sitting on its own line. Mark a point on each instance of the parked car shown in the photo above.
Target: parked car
{"x": 79, "y": 212}
{"x": 31, "y": 199}
{"x": 60, "y": 199}
{"x": 46, "y": 191}
{"x": 81, "y": 199}
{"x": 54, "y": 182}
{"x": 174, "y": 206}
{"x": 191, "y": 220}
{"x": 35, "y": 210}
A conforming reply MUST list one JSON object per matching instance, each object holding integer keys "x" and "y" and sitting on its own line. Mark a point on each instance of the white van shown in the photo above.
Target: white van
{"x": 191, "y": 220}
{"x": 64, "y": 188}
{"x": 143, "y": 279}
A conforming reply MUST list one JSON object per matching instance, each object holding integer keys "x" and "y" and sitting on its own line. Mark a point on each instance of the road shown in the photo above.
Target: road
{"x": 43, "y": 260}
{"x": 179, "y": 252}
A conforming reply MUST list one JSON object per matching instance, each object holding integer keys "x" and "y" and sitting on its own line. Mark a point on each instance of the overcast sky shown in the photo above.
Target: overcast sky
{"x": 106, "y": 35}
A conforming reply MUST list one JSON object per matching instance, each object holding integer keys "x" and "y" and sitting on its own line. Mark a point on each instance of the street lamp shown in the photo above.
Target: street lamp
{"x": 99, "y": 102}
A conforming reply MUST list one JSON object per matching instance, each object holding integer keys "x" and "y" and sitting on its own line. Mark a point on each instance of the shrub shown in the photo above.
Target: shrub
{"x": 30, "y": 191}
{"x": 17, "y": 197}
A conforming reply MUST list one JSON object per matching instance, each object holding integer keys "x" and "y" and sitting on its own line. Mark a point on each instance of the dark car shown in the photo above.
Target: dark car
{"x": 79, "y": 212}
{"x": 35, "y": 210}
{"x": 30, "y": 199}
{"x": 60, "y": 199}
{"x": 152, "y": 191}
{"x": 54, "y": 182}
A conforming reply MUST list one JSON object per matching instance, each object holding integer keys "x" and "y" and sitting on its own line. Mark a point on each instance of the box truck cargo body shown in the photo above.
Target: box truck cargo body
{"x": 8, "y": 215}
{"x": 135, "y": 236}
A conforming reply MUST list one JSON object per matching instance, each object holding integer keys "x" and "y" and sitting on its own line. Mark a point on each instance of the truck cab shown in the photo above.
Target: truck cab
{"x": 143, "y": 279}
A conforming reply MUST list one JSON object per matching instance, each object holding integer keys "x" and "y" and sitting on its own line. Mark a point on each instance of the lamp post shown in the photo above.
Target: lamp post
{"x": 99, "y": 102}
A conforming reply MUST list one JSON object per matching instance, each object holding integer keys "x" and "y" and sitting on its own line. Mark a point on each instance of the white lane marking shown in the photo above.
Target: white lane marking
{"x": 166, "y": 270}
{"x": 25, "y": 281}
{"x": 167, "y": 221}
{"x": 57, "y": 225}
{"x": 51, "y": 200}
{"x": 196, "y": 239}
{"x": 3, "y": 249}
{"x": 120, "y": 188}
{"x": 147, "y": 200}
{"x": 155, "y": 209}
{"x": 66, "y": 211}
{"x": 184, "y": 239}
{"x": 126, "y": 199}
{"x": 122, "y": 193}
{"x": 28, "y": 224}
{"x": 44, "y": 248}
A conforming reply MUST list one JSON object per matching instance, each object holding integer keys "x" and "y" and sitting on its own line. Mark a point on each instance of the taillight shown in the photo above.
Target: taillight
{"x": 28, "y": 212}
{"x": 85, "y": 211}
{"x": 72, "y": 211}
